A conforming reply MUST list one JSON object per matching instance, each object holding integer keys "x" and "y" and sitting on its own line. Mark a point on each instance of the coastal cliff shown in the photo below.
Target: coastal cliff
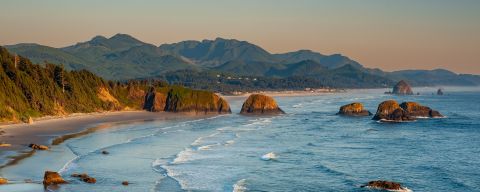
{"x": 181, "y": 99}
{"x": 154, "y": 101}
{"x": 32, "y": 91}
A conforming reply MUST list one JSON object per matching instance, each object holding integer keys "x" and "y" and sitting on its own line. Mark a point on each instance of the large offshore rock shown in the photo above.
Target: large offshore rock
{"x": 402, "y": 88}
{"x": 390, "y": 110}
{"x": 260, "y": 104}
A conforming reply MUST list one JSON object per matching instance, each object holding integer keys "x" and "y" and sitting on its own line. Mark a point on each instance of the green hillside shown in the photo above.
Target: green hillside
{"x": 31, "y": 90}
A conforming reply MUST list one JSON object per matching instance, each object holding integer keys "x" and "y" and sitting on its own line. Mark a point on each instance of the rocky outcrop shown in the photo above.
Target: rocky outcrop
{"x": 353, "y": 109}
{"x": 38, "y": 147}
{"x": 260, "y": 104}
{"x": 52, "y": 178}
{"x": 402, "y": 88}
{"x": 439, "y": 92}
{"x": 385, "y": 185}
{"x": 390, "y": 110}
{"x": 85, "y": 178}
{"x": 407, "y": 111}
{"x": 416, "y": 110}
{"x": 195, "y": 101}
{"x": 154, "y": 101}
{"x": 3, "y": 181}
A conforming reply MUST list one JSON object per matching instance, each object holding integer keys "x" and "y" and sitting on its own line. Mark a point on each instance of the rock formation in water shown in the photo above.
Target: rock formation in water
{"x": 52, "y": 178}
{"x": 38, "y": 147}
{"x": 154, "y": 101}
{"x": 416, "y": 110}
{"x": 193, "y": 101}
{"x": 3, "y": 181}
{"x": 385, "y": 185}
{"x": 85, "y": 178}
{"x": 407, "y": 111}
{"x": 390, "y": 110}
{"x": 402, "y": 88}
{"x": 260, "y": 104}
{"x": 353, "y": 109}
{"x": 439, "y": 92}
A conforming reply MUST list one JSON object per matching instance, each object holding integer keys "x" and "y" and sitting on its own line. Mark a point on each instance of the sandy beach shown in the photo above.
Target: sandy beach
{"x": 58, "y": 129}
{"x": 53, "y": 130}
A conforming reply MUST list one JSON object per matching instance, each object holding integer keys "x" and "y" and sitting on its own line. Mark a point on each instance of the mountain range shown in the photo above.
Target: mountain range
{"x": 123, "y": 57}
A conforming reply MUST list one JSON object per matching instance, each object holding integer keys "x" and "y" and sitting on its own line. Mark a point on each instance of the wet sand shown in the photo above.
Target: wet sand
{"x": 56, "y": 130}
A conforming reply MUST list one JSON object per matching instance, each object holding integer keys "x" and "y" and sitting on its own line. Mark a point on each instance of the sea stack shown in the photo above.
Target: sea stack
{"x": 353, "y": 109}
{"x": 416, "y": 110}
{"x": 260, "y": 104}
{"x": 439, "y": 92}
{"x": 402, "y": 88}
{"x": 154, "y": 101}
{"x": 385, "y": 185}
{"x": 197, "y": 102}
{"x": 390, "y": 110}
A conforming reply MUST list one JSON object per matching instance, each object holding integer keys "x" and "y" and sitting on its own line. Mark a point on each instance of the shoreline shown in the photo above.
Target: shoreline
{"x": 313, "y": 92}
{"x": 55, "y": 130}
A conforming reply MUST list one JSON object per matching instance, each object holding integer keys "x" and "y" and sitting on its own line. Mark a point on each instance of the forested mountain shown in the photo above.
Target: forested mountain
{"x": 122, "y": 57}
{"x": 30, "y": 90}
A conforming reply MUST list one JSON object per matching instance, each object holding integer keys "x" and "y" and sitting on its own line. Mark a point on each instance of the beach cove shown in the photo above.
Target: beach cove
{"x": 308, "y": 148}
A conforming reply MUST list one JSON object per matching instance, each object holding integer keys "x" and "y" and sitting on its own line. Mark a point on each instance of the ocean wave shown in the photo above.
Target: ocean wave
{"x": 229, "y": 142}
{"x": 207, "y": 147}
{"x": 69, "y": 165}
{"x": 269, "y": 156}
{"x": 404, "y": 189}
{"x": 200, "y": 140}
{"x": 240, "y": 186}
{"x": 183, "y": 156}
{"x": 300, "y": 105}
{"x": 392, "y": 121}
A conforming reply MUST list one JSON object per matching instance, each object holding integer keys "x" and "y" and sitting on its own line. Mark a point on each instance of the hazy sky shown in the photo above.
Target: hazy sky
{"x": 391, "y": 35}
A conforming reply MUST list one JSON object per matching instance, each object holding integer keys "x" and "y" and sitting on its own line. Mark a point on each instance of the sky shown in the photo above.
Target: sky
{"x": 386, "y": 34}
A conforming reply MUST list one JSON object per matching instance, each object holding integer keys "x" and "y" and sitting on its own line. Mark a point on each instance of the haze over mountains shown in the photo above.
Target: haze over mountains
{"x": 123, "y": 57}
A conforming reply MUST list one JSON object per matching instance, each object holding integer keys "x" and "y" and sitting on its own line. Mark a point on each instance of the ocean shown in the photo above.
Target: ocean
{"x": 308, "y": 149}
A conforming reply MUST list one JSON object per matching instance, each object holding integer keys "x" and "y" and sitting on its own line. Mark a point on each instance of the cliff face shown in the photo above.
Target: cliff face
{"x": 186, "y": 100}
{"x": 260, "y": 104}
{"x": 353, "y": 109}
{"x": 402, "y": 88}
{"x": 154, "y": 101}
